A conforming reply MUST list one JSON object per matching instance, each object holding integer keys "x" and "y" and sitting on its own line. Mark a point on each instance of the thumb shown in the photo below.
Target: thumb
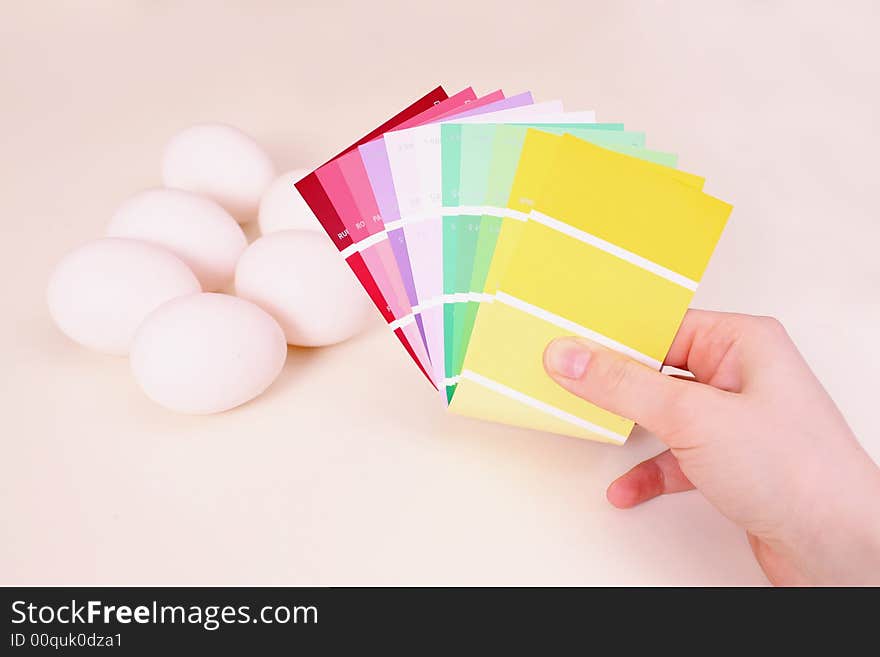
{"x": 665, "y": 406}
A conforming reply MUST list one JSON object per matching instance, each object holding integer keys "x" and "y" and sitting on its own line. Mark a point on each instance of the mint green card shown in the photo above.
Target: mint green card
{"x": 481, "y": 160}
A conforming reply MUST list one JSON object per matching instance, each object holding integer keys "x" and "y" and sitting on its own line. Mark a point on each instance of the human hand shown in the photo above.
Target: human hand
{"x": 755, "y": 433}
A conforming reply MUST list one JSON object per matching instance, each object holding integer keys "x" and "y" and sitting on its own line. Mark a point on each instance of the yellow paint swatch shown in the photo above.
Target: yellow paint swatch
{"x": 613, "y": 252}
{"x": 627, "y": 202}
{"x": 596, "y": 289}
{"x": 516, "y": 362}
{"x": 533, "y": 175}
{"x": 483, "y": 403}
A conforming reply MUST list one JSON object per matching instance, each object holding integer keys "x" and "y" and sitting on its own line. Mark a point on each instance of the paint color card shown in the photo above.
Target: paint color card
{"x": 316, "y": 197}
{"x": 460, "y": 311}
{"x": 420, "y": 232}
{"x": 349, "y": 204}
{"x": 414, "y": 161}
{"x": 613, "y": 250}
{"x": 469, "y": 237}
{"x": 483, "y": 227}
{"x": 466, "y": 159}
{"x": 368, "y": 167}
{"x": 356, "y": 204}
{"x": 377, "y": 167}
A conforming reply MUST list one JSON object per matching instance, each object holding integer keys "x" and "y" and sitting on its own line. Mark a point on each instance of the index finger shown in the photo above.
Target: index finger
{"x": 707, "y": 346}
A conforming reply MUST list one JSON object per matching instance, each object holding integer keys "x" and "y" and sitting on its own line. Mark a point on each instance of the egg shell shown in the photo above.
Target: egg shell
{"x": 283, "y": 208}
{"x": 195, "y": 229}
{"x": 99, "y": 293}
{"x": 207, "y": 353}
{"x": 219, "y": 162}
{"x": 301, "y": 280}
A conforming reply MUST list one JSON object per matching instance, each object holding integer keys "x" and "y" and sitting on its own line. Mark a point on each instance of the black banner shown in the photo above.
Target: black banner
{"x": 152, "y": 620}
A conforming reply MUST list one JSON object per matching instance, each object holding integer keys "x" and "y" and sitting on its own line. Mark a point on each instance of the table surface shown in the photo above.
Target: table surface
{"x": 776, "y": 103}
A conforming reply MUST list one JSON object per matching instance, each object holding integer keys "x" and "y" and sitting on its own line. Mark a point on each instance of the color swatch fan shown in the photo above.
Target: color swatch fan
{"x": 483, "y": 227}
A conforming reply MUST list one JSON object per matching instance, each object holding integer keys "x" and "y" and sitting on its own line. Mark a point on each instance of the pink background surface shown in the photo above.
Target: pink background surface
{"x": 99, "y": 485}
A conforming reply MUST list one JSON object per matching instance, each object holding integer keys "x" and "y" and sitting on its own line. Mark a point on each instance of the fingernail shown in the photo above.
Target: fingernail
{"x": 567, "y": 358}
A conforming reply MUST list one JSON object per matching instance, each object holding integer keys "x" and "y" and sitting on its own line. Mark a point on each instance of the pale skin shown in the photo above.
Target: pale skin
{"x": 755, "y": 433}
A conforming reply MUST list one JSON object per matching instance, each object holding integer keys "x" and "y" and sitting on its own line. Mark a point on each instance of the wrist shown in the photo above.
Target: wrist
{"x": 841, "y": 544}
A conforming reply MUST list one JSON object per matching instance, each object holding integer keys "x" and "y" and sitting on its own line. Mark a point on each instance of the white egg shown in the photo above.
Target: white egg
{"x": 222, "y": 163}
{"x": 303, "y": 282}
{"x": 100, "y": 293}
{"x": 283, "y": 208}
{"x": 207, "y": 353}
{"x": 196, "y": 229}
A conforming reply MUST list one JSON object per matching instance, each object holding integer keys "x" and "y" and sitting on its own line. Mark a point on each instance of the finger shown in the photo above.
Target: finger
{"x": 612, "y": 381}
{"x": 657, "y": 476}
{"x": 724, "y": 350}
{"x": 695, "y": 323}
